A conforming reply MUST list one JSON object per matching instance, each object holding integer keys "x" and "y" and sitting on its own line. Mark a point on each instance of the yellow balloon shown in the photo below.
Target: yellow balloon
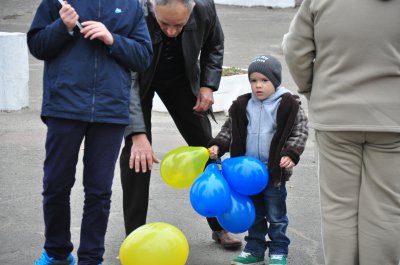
{"x": 155, "y": 244}
{"x": 182, "y": 165}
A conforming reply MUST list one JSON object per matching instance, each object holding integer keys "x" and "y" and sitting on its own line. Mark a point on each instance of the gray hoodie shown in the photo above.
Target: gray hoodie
{"x": 262, "y": 124}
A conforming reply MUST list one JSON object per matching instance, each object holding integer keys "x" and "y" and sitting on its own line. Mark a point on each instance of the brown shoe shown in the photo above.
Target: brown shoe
{"x": 226, "y": 239}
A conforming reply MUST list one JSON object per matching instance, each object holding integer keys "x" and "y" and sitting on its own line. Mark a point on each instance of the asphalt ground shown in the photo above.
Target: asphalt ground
{"x": 248, "y": 32}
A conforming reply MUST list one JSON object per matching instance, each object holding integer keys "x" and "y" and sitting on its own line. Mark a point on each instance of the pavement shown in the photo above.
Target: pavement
{"x": 248, "y": 32}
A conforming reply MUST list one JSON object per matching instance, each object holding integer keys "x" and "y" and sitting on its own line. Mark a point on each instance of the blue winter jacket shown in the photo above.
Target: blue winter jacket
{"x": 85, "y": 79}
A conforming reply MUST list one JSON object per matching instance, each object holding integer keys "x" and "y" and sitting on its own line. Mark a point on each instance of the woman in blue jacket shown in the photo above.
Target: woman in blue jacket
{"x": 86, "y": 92}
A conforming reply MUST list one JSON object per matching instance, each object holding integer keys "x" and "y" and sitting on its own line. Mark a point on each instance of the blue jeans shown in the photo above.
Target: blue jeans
{"x": 270, "y": 207}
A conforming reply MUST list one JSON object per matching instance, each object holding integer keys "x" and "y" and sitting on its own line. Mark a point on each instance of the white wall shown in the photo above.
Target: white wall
{"x": 14, "y": 71}
{"x": 270, "y": 3}
{"x": 229, "y": 89}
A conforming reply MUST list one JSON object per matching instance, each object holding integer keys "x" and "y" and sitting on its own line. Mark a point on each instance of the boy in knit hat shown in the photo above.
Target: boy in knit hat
{"x": 270, "y": 125}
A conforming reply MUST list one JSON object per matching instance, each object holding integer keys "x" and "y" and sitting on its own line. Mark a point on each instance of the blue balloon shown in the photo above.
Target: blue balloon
{"x": 241, "y": 215}
{"x": 210, "y": 193}
{"x": 245, "y": 175}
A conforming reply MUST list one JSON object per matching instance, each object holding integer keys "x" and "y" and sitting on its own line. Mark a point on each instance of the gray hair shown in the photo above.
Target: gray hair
{"x": 149, "y": 5}
{"x": 188, "y": 3}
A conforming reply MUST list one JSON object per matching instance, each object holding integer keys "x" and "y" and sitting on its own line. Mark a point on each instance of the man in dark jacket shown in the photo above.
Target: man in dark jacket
{"x": 182, "y": 32}
{"x": 86, "y": 89}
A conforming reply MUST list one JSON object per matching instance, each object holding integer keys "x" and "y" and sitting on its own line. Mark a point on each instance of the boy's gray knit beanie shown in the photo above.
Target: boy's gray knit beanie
{"x": 268, "y": 66}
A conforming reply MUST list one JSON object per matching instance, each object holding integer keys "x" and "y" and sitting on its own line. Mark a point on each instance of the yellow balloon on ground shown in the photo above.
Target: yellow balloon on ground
{"x": 182, "y": 165}
{"x": 155, "y": 244}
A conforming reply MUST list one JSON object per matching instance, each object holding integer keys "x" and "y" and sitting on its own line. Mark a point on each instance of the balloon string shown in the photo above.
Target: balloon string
{"x": 216, "y": 161}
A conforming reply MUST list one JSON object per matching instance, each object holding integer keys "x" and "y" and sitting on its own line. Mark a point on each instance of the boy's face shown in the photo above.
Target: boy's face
{"x": 261, "y": 87}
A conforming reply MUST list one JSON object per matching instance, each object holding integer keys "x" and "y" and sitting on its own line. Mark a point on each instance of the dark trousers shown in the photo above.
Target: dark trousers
{"x": 101, "y": 149}
{"x": 195, "y": 128}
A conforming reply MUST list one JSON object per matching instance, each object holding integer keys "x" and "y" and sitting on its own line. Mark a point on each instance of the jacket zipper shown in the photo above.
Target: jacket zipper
{"x": 259, "y": 132}
{"x": 156, "y": 64}
{"x": 94, "y": 85}
{"x": 157, "y": 59}
{"x": 95, "y": 69}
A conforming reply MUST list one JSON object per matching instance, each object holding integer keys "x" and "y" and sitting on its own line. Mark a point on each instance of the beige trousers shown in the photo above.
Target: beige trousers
{"x": 359, "y": 178}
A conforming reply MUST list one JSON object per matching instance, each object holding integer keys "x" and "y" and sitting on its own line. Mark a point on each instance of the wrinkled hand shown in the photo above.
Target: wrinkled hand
{"x": 205, "y": 99}
{"x": 213, "y": 150}
{"x": 142, "y": 155}
{"x": 97, "y": 30}
{"x": 68, "y": 16}
{"x": 286, "y": 162}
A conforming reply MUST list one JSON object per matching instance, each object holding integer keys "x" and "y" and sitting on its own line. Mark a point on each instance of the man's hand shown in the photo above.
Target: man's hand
{"x": 205, "y": 99}
{"x": 142, "y": 156}
{"x": 286, "y": 162}
{"x": 68, "y": 16}
{"x": 97, "y": 30}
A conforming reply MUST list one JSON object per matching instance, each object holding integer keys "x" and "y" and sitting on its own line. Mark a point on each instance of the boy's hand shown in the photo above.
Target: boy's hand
{"x": 97, "y": 30}
{"x": 213, "y": 151}
{"x": 68, "y": 16}
{"x": 286, "y": 162}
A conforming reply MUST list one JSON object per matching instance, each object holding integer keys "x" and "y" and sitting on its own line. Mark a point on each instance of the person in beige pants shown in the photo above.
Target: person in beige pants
{"x": 345, "y": 58}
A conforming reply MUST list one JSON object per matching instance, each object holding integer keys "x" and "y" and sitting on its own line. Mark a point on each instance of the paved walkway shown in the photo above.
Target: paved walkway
{"x": 249, "y": 32}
